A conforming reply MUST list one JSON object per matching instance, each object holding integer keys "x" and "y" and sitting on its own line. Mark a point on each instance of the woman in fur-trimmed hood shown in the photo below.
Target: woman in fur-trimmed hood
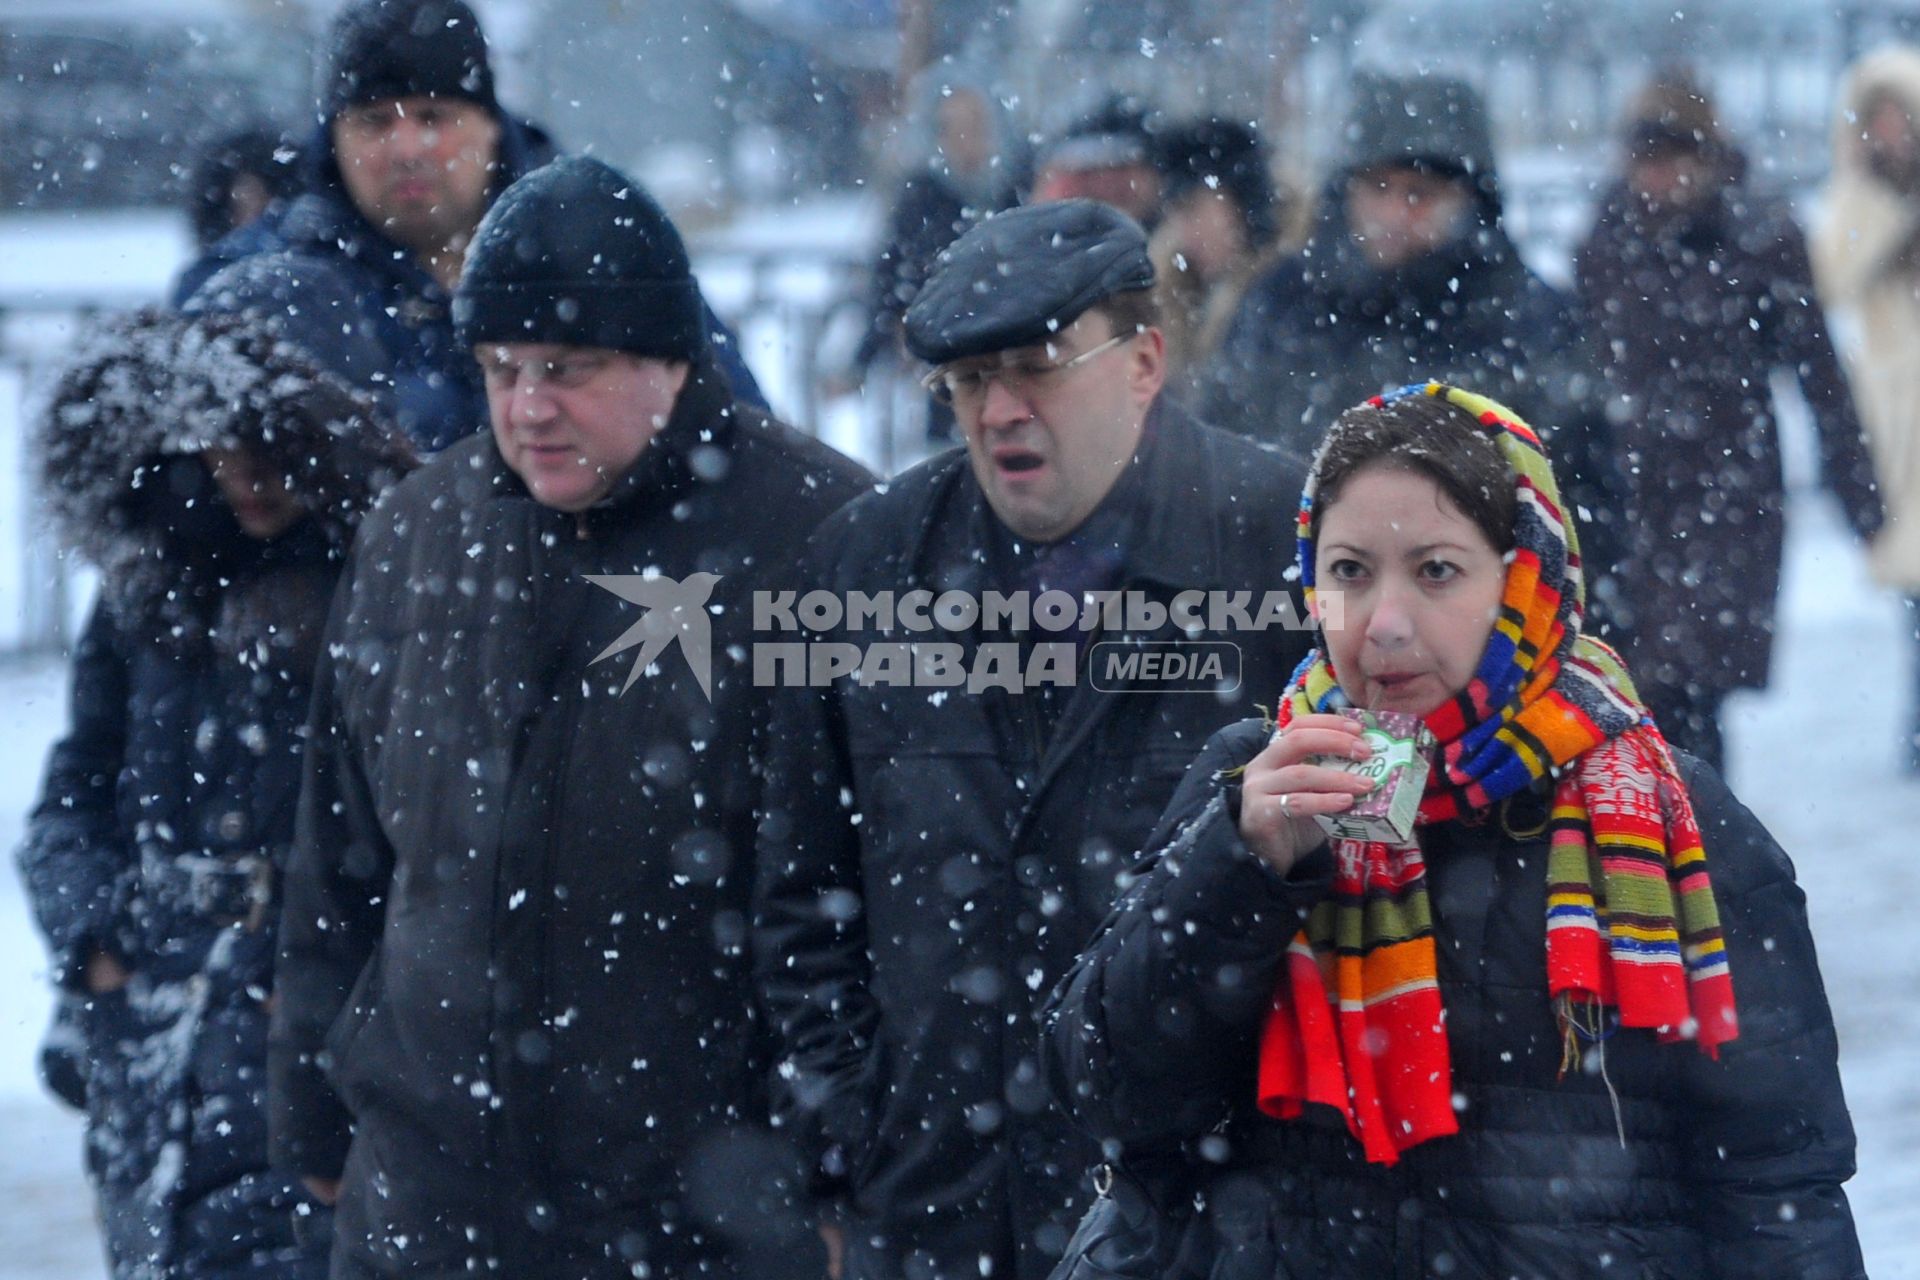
{"x": 144, "y": 396}
{"x": 215, "y": 475}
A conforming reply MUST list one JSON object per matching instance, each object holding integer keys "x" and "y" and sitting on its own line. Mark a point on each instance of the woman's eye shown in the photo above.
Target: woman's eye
{"x": 1439, "y": 571}
{"x": 1345, "y": 570}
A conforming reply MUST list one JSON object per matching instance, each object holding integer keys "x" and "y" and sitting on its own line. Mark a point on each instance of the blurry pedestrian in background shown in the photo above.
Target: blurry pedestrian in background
{"x": 410, "y": 147}
{"x": 1224, "y": 222}
{"x": 236, "y": 179}
{"x": 963, "y": 167}
{"x": 216, "y": 477}
{"x": 1701, "y": 291}
{"x": 1111, "y": 155}
{"x": 1866, "y": 257}
{"x": 1409, "y": 272}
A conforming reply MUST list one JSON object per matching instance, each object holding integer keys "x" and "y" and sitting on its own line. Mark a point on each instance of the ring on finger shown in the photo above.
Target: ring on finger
{"x": 1286, "y": 804}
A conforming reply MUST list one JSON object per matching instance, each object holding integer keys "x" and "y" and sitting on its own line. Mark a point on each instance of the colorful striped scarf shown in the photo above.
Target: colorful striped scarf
{"x": 1356, "y": 1022}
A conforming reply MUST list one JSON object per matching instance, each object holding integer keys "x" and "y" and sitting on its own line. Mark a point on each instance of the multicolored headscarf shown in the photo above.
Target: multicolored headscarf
{"x": 1357, "y": 1023}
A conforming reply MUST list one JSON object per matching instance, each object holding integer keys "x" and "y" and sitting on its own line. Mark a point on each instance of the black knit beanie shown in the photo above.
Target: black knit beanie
{"x": 382, "y": 49}
{"x": 1220, "y": 155}
{"x": 578, "y": 253}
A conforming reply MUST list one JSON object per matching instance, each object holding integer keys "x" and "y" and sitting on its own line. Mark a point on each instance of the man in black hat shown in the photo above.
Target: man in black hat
{"x": 410, "y": 148}
{"x": 514, "y": 1031}
{"x": 935, "y": 850}
{"x": 1409, "y": 273}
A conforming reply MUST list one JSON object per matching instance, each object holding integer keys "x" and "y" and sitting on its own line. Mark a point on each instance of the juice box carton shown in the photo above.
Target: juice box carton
{"x": 1402, "y": 745}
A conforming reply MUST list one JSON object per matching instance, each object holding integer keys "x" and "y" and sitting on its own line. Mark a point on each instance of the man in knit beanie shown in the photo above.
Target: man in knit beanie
{"x": 407, "y": 98}
{"x": 411, "y": 146}
{"x": 514, "y": 1033}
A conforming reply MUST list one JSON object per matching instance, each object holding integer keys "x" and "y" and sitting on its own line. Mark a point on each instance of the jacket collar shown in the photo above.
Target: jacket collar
{"x": 1479, "y": 263}
{"x": 1702, "y": 229}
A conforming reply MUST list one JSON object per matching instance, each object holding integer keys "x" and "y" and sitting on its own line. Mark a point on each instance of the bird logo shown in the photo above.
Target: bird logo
{"x": 674, "y": 611}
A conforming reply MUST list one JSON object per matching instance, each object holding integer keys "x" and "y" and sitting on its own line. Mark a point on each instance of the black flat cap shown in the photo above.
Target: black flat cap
{"x": 1021, "y": 276}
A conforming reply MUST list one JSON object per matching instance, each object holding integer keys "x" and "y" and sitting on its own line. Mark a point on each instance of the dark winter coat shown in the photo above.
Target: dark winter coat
{"x": 931, "y": 861}
{"x": 429, "y": 380}
{"x": 1703, "y": 1168}
{"x": 1324, "y": 330}
{"x": 513, "y": 969}
{"x": 1697, "y": 312}
{"x": 168, "y": 808}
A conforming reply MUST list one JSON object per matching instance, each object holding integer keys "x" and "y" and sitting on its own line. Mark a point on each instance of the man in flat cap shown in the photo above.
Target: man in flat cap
{"x": 935, "y": 849}
{"x": 515, "y": 1032}
{"x": 409, "y": 149}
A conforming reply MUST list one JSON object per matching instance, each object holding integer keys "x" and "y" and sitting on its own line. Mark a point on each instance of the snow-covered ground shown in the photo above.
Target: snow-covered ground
{"x": 46, "y": 1214}
{"x": 1815, "y": 759}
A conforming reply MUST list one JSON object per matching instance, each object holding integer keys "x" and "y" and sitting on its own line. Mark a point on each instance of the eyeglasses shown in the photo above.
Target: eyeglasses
{"x": 1022, "y": 376}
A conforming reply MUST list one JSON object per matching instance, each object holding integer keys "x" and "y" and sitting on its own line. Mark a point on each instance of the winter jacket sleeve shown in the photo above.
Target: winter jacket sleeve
{"x": 1803, "y": 345}
{"x": 1150, "y": 1039}
{"x": 1771, "y": 1141}
{"x": 809, "y": 933}
{"x": 76, "y": 862}
{"x": 919, "y": 226}
{"x": 893, "y": 283}
{"x": 333, "y": 910}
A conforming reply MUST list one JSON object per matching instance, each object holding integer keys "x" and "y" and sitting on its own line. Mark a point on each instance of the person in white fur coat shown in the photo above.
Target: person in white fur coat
{"x": 1866, "y": 258}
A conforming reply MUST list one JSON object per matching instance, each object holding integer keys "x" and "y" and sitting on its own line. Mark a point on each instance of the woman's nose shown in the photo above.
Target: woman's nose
{"x": 1389, "y": 622}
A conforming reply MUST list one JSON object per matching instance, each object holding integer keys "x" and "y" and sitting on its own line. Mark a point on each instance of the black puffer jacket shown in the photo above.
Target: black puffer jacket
{"x": 1727, "y": 1168}
{"x": 514, "y": 948}
{"x": 932, "y": 860}
{"x": 168, "y": 808}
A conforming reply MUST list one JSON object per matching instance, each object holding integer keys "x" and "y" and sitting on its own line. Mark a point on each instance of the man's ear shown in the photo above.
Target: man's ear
{"x": 1147, "y": 365}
